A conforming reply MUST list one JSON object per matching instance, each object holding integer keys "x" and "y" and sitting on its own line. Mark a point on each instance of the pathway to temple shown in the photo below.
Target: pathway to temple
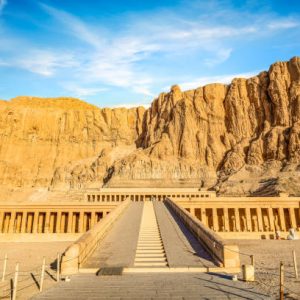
{"x": 182, "y": 248}
{"x": 149, "y": 237}
{"x": 118, "y": 248}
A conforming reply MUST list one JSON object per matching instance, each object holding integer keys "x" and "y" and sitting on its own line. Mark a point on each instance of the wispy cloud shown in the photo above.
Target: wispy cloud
{"x": 81, "y": 91}
{"x": 42, "y": 62}
{"x": 221, "y": 56}
{"x": 74, "y": 26}
{"x": 109, "y": 61}
{"x": 283, "y": 24}
{"x": 113, "y": 60}
{"x": 131, "y": 105}
{"x": 226, "y": 79}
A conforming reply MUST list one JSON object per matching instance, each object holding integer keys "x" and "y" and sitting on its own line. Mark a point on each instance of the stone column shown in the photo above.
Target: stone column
{"x": 11, "y": 227}
{"x": 74, "y": 222}
{"x": 1, "y": 220}
{"x": 237, "y": 219}
{"x": 248, "y": 219}
{"x": 62, "y": 222}
{"x": 35, "y": 222}
{"x": 193, "y": 211}
{"x": 47, "y": 222}
{"x": 292, "y": 217}
{"x": 24, "y": 222}
{"x": 52, "y": 221}
{"x": 70, "y": 222}
{"x": 215, "y": 219}
{"x": 203, "y": 216}
{"x": 40, "y": 223}
{"x": 93, "y": 219}
{"x": 58, "y": 222}
{"x": 6, "y": 223}
{"x": 259, "y": 219}
{"x": 271, "y": 219}
{"x": 226, "y": 219}
{"x": 18, "y": 223}
{"x": 85, "y": 222}
{"x": 29, "y": 225}
{"x": 81, "y": 216}
{"x": 282, "y": 219}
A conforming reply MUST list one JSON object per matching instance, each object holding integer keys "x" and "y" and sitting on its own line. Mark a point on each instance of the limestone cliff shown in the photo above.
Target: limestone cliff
{"x": 240, "y": 138}
{"x": 61, "y": 142}
{"x": 233, "y": 137}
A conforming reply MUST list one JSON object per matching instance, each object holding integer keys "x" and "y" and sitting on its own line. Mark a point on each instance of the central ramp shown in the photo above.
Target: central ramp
{"x": 181, "y": 247}
{"x": 117, "y": 249}
{"x": 150, "y": 249}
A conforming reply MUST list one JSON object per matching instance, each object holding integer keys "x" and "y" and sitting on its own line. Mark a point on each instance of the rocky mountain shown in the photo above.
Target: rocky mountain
{"x": 240, "y": 138}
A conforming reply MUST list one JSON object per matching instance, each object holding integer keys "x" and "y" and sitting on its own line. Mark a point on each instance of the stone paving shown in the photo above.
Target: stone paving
{"x": 118, "y": 248}
{"x": 152, "y": 286}
{"x": 181, "y": 247}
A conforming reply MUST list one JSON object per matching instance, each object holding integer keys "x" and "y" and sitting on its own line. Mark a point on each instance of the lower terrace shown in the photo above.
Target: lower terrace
{"x": 232, "y": 217}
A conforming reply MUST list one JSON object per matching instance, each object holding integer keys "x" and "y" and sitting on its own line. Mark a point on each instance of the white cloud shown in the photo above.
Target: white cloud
{"x": 44, "y": 62}
{"x": 75, "y": 26}
{"x": 226, "y": 79}
{"x": 2, "y": 5}
{"x": 283, "y": 24}
{"x": 80, "y": 91}
{"x": 131, "y": 105}
{"x": 143, "y": 91}
{"x": 221, "y": 56}
{"x": 111, "y": 60}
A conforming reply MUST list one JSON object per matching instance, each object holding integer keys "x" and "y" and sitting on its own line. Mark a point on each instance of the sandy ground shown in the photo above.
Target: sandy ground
{"x": 268, "y": 254}
{"x": 30, "y": 258}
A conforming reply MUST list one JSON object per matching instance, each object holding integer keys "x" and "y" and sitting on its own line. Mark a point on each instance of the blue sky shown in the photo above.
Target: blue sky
{"x": 124, "y": 53}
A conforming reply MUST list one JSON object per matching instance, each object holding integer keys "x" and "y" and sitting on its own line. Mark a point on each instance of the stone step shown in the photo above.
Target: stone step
{"x": 150, "y": 242}
{"x": 150, "y": 248}
{"x": 138, "y": 255}
{"x": 149, "y": 251}
{"x": 148, "y": 264}
{"x": 150, "y": 259}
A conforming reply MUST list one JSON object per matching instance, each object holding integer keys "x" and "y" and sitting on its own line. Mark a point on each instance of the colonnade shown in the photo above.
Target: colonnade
{"x": 222, "y": 214}
{"x": 248, "y": 219}
{"x": 50, "y": 221}
{"x": 113, "y": 196}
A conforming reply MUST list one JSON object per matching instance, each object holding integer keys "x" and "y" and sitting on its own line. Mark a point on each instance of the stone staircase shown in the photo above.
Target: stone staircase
{"x": 150, "y": 250}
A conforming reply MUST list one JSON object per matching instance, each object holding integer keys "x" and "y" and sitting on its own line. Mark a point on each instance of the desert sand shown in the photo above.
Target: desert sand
{"x": 30, "y": 257}
{"x": 268, "y": 254}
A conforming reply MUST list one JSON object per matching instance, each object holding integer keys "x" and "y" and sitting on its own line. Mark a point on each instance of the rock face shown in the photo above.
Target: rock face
{"x": 241, "y": 138}
{"x": 61, "y": 142}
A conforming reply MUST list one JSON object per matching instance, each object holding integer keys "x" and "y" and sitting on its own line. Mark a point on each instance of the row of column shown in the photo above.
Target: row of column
{"x": 248, "y": 219}
{"x": 139, "y": 197}
{"x": 49, "y": 221}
